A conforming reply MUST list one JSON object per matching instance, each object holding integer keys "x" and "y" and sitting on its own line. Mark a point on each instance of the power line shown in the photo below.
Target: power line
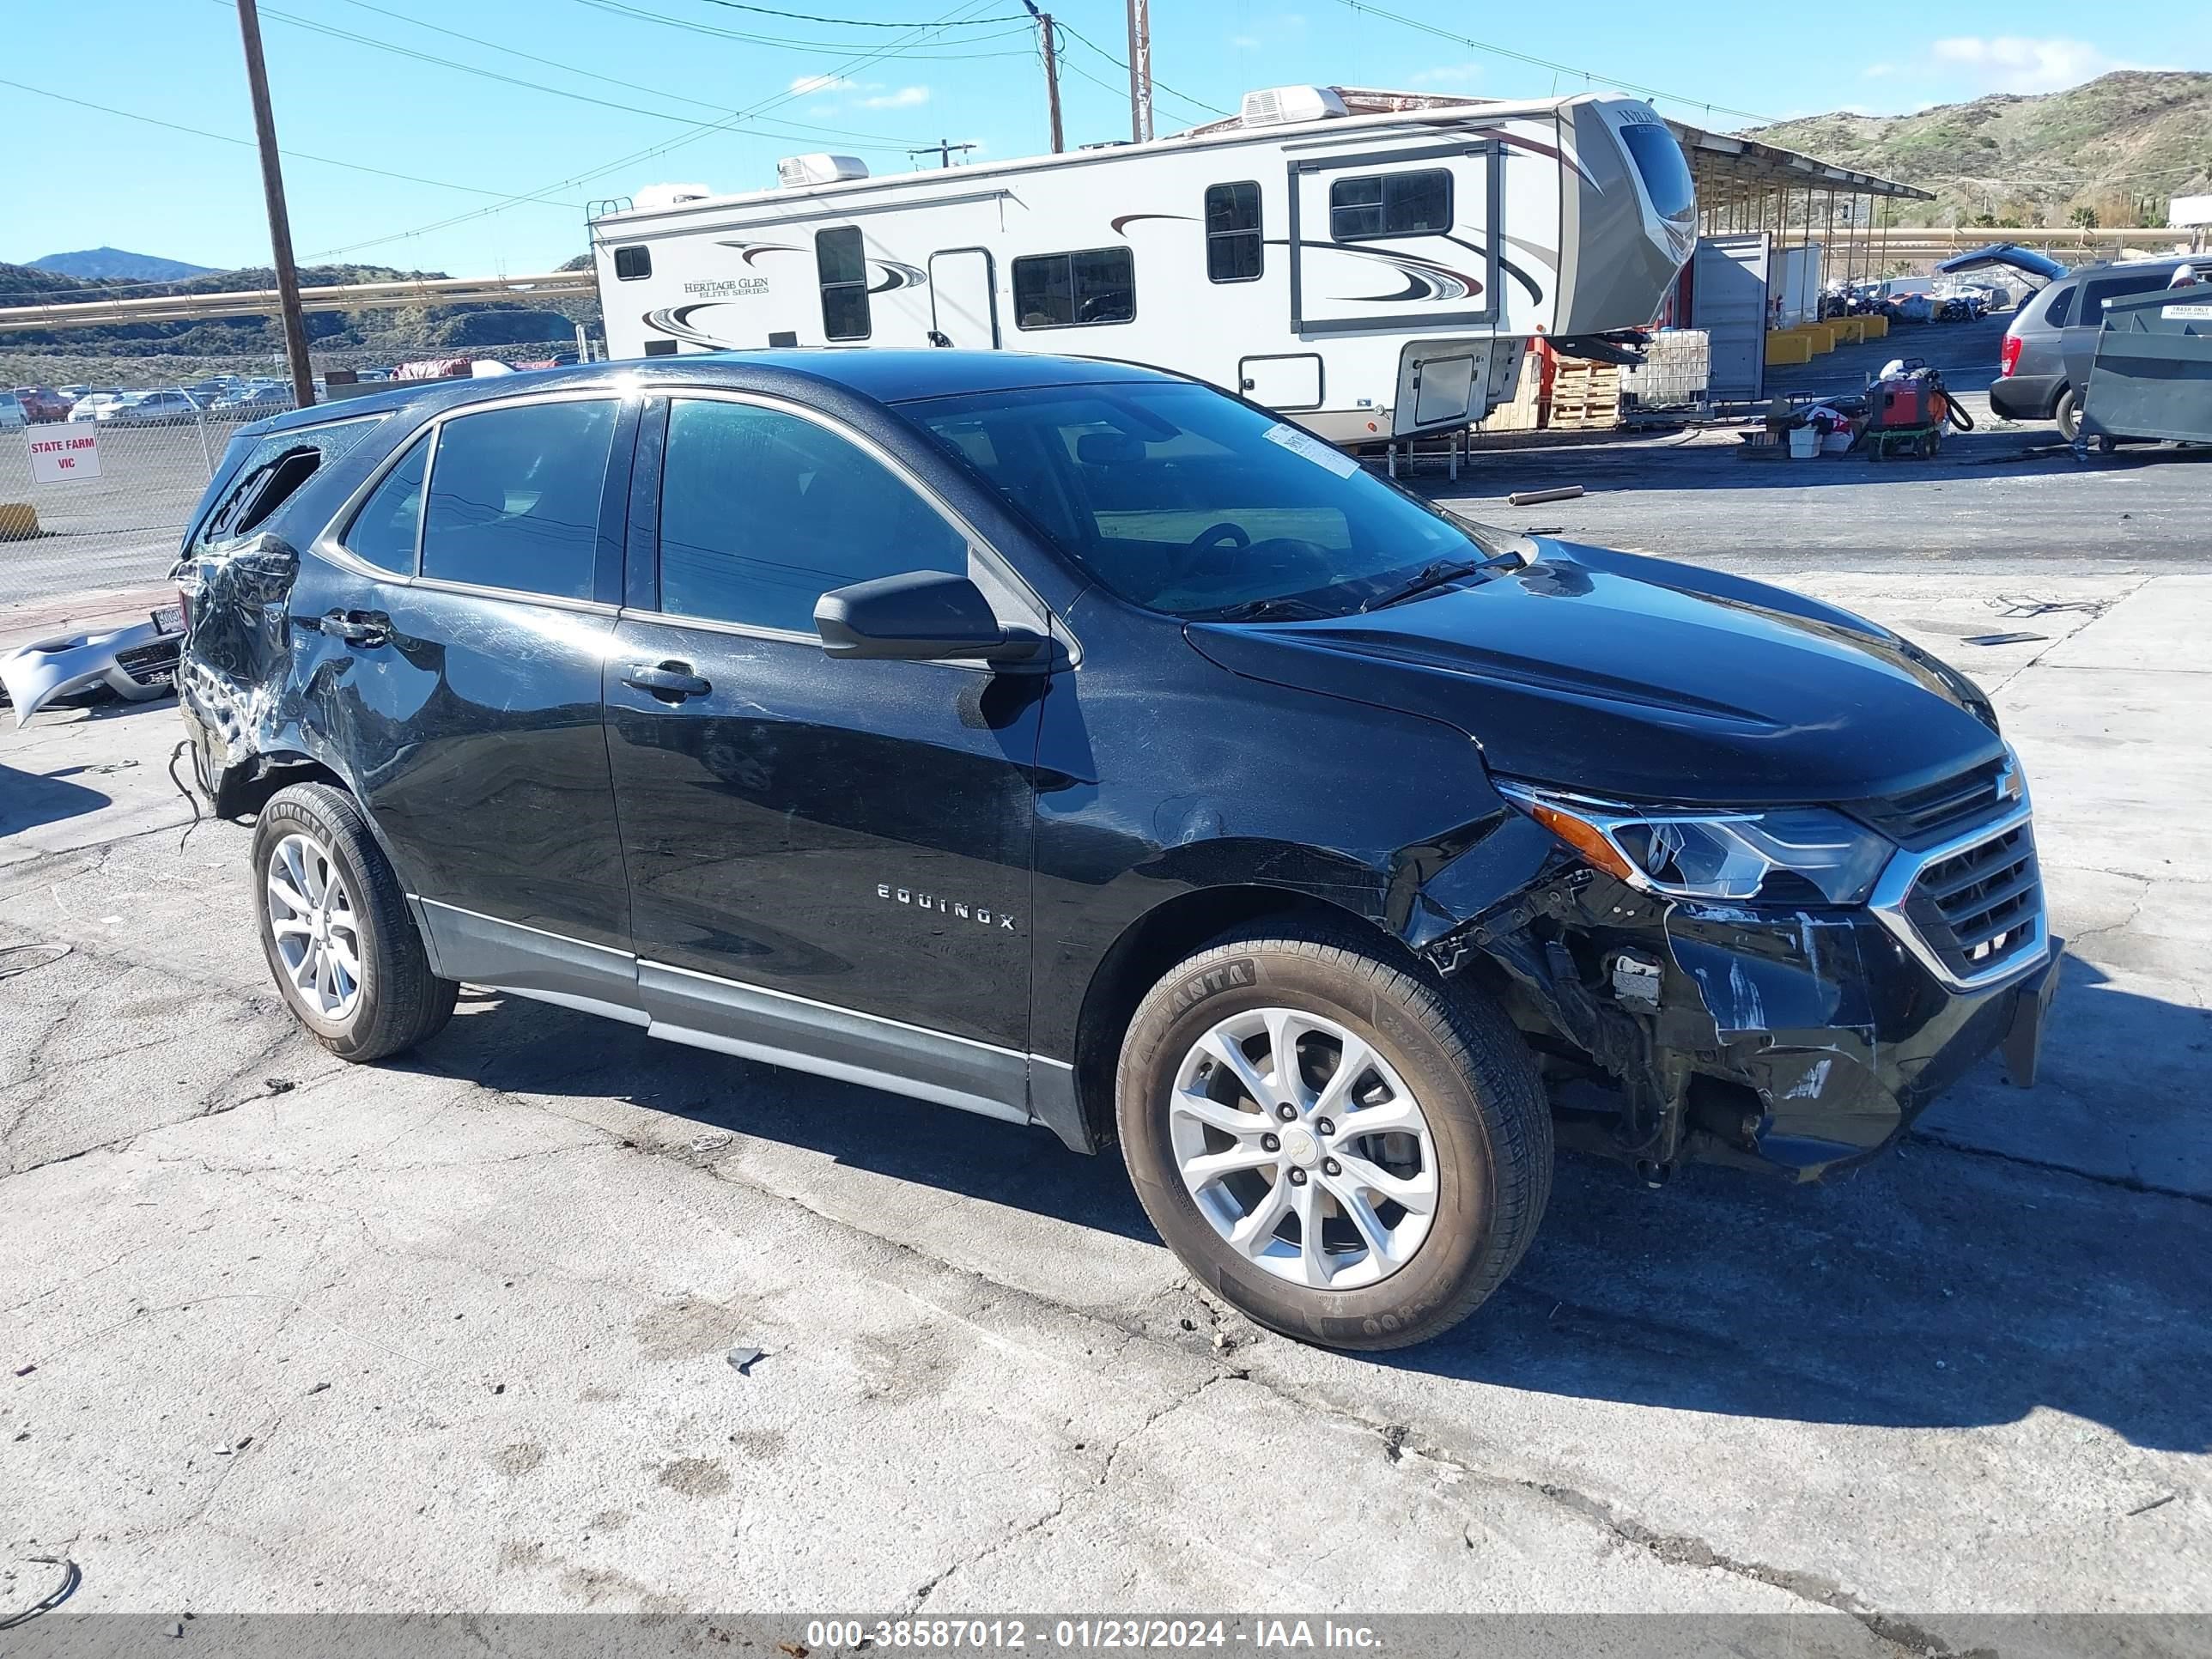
{"x": 1196, "y": 103}
{"x": 888, "y": 142}
{"x": 1546, "y": 63}
{"x": 294, "y": 154}
{"x": 701, "y": 131}
{"x": 866, "y": 22}
{"x": 642, "y": 15}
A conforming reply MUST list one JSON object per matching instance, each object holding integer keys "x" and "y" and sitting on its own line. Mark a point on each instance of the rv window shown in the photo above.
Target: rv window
{"x": 762, "y": 513}
{"x": 632, "y": 264}
{"x": 1659, "y": 163}
{"x": 844, "y": 272}
{"x": 1389, "y": 204}
{"x": 1234, "y": 250}
{"x": 1075, "y": 290}
{"x": 660, "y": 348}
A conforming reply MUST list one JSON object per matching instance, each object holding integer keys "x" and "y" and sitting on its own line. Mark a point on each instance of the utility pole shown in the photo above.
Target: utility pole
{"x": 280, "y": 224}
{"x": 1140, "y": 70}
{"x": 1051, "y": 71}
{"x": 942, "y": 150}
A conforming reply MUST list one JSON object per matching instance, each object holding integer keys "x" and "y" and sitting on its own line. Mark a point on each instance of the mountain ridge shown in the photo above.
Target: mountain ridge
{"x": 120, "y": 265}
{"x": 2118, "y": 147}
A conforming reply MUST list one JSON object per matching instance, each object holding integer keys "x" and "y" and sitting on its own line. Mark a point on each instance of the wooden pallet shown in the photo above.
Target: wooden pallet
{"x": 1585, "y": 398}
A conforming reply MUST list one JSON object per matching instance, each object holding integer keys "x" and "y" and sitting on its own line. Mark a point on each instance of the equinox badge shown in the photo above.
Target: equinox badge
{"x": 923, "y": 901}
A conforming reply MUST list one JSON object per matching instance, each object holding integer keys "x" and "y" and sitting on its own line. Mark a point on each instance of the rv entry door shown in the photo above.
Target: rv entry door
{"x": 1402, "y": 239}
{"x": 962, "y": 310}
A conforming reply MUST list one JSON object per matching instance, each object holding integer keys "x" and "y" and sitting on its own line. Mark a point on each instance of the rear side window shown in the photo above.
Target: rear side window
{"x": 2062, "y": 308}
{"x": 1389, "y": 204}
{"x": 2096, "y": 292}
{"x": 763, "y": 512}
{"x": 271, "y": 474}
{"x": 1075, "y": 290}
{"x": 844, "y": 269}
{"x": 383, "y": 533}
{"x": 514, "y": 498}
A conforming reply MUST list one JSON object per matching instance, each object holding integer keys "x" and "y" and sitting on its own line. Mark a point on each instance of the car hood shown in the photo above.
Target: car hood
{"x": 1645, "y": 680}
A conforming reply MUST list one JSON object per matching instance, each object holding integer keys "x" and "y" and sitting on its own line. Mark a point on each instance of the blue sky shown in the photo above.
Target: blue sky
{"x": 643, "y": 75}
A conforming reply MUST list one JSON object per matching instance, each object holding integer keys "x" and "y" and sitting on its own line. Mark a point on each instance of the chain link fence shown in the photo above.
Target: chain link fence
{"x": 114, "y": 516}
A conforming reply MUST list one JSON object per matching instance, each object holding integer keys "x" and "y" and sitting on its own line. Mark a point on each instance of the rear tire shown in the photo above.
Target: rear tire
{"x": 2068, "y": 414}
{"x": 1465, "y": 1131}
{"x": 335, "y": 928}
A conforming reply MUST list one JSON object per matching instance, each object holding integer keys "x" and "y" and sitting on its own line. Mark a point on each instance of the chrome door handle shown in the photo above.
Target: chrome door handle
{"x": 671, "y": 682}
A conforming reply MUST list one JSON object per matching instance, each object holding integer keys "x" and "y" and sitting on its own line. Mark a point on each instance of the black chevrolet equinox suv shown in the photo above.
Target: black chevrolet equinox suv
{"x": 1075, "y": 744}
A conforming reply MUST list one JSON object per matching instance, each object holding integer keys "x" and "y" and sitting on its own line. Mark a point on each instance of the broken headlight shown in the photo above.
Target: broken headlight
{"x": 1785, "y": 855}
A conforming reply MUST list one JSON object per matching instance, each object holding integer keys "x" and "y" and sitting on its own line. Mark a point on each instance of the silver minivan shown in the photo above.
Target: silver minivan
{"x": 2032, "y": 383}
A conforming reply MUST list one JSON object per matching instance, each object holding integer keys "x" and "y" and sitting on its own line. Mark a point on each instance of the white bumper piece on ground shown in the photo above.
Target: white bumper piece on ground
{"x": 136, "y": 663}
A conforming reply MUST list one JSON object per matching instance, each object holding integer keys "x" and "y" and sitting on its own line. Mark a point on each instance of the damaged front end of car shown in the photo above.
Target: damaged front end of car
{"x": 1748, "y": 1017}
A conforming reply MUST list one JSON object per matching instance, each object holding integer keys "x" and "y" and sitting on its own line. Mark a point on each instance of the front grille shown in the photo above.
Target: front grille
{"x": 1978, "y": 908}
{"x": 151, "y": 665}
{"x": 1921, "y": 817}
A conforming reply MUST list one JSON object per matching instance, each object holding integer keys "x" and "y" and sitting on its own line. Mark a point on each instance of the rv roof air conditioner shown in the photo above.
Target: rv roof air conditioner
{"x": 795, "y": 171}
{"x": 1278, "y": 107}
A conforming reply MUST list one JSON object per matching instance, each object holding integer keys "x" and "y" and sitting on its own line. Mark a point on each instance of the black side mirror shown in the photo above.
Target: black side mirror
{"x": 921, "y": 616}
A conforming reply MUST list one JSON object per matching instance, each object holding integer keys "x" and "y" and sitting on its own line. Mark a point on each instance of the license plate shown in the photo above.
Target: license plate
{"x": 169, "y": 618}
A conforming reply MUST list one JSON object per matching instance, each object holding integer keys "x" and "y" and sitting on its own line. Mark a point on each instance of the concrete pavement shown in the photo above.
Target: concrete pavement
{"x": 451, "y": 1334}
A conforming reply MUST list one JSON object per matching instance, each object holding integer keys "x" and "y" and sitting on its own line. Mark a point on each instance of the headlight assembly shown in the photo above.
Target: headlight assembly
{"x": 1785, "y": 855}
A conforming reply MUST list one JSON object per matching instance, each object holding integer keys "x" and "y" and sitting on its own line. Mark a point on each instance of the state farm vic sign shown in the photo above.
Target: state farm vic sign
{"x": 64, "y": 456}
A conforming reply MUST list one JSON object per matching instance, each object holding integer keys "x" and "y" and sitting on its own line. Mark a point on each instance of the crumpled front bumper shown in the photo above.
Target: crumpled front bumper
{"x": 1837, "y": 1033}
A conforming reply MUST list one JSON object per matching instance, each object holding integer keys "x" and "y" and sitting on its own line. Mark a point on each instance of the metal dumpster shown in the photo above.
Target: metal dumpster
{"x": 2151, "y": 373}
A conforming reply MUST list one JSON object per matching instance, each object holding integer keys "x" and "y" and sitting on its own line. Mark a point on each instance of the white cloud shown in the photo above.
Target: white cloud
{"x": 1446, "y": 74}
{"x": 2014, "y": 62}
{"x": 904, "y": 98}
{"x": 1246, "y": 42}
{"x": 806, "y": 86}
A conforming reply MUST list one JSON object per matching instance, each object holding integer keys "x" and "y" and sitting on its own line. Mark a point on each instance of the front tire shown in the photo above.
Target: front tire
{"x": 1331, "y": 1144}
{"x": 335, "y": 929}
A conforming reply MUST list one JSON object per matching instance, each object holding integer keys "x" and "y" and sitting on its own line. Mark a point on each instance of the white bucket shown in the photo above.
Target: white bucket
{"x": 1804, "y": 443}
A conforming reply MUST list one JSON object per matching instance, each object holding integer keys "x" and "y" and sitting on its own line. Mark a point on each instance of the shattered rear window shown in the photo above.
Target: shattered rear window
{"x": 271, "y": 472}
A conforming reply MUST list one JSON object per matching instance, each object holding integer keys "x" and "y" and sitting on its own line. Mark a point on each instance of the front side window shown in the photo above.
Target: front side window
{"x": 384, "y": 531}
{"x": 1180, "y": 500}
{"x": 514, "y": 497}
{"x": 1235, "y": 249}
{"x": 1389, "y": 204}
{"x": 844, "y": 272}
{"x": 1075, "y": 290}
{"x": 763, "y": 512}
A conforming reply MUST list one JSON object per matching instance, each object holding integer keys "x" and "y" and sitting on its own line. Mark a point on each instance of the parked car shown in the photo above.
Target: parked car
{"x": 1072, "y": 743}
{"x": 2032, "y": 383}
{"x": 43, "y": 403}
{"x": 12, "y": 417}
{"x": 252, "y": 401}
{"x": 171, "y": 408}
{"x": 97, "y": 405}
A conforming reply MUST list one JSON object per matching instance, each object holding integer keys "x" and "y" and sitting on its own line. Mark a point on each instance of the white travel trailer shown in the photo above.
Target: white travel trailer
{"x": 1369, "y": 275}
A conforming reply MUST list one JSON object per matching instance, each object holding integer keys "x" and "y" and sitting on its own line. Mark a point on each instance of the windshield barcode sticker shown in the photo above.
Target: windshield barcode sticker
{"x": 1320, "y": 453}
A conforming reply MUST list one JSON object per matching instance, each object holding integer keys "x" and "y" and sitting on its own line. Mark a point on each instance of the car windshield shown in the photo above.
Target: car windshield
{"x": 1180, "y": 500}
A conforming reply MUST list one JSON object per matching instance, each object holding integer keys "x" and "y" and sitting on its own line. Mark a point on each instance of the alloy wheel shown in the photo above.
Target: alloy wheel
{"x": 1304, "y": 1148}
{"x": 311, "y": 915}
